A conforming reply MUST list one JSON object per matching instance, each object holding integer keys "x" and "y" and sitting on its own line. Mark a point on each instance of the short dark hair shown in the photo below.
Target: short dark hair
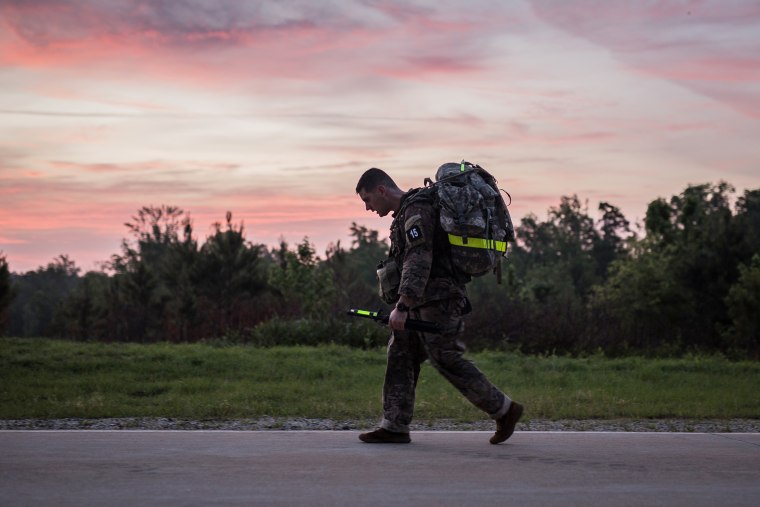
{"x": 373, "y": 178}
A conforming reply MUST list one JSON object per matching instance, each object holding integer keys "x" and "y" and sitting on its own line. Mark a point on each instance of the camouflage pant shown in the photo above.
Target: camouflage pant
{"x": 408, "y": 350}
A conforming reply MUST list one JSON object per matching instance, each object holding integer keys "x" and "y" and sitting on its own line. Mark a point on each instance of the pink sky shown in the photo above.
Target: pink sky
{"x": 272, "y": 110}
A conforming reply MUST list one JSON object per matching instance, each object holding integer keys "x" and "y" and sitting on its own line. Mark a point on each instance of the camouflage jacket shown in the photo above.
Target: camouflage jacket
{"x": 420, "y": 247}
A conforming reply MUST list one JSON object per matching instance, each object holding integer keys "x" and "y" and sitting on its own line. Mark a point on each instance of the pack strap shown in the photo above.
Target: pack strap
{"x": 490, "y": 244}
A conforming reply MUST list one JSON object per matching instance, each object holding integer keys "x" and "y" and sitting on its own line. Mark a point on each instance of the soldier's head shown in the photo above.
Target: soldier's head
{"x": 379, "y": 192}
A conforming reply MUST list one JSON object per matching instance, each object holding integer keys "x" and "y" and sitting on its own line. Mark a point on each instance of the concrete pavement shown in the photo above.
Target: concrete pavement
{"x": 317, "y": 468}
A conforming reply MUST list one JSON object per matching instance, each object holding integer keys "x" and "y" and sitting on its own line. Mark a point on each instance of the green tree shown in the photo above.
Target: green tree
{"x": 743, "y": 301}
{"x": 566, "y": 239}
{"x": 355, "y": 269}
{"x": 639, "y": 307}
{"x": 610, "y": 244}
{"x": 153, "y": 230}
{"x": 553, "y": 269}
{"x": 305, "y": 284}
{"x": 231, "y": 277}
{"x": 671, "y": 293}
{"x": 180, "y": 274}
{"x": 36, "y": 309}
{"x": 700, "y": 260}
{"x": 144, "y": 268}
{"x": 746, "y": 226}
{"x": 7, "y": 292}
{"x": 83, "y": 311}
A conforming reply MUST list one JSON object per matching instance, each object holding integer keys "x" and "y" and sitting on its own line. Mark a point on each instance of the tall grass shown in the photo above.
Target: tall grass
{"x": 41, "y": 378}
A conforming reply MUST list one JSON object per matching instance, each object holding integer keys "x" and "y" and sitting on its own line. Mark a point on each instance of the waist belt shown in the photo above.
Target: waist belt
{"x": 490, "y": 244}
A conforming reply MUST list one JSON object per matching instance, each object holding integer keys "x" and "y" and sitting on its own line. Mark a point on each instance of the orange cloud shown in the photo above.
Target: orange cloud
{"x": 230, "y": 42}
{"x": 709, "y": 48}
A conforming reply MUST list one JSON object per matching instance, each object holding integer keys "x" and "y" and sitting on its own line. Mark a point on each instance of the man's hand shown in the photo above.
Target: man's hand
{"x": 397, "y": 319}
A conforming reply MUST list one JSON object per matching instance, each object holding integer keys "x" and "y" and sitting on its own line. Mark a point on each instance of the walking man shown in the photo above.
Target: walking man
{"x": 420, "y": 279}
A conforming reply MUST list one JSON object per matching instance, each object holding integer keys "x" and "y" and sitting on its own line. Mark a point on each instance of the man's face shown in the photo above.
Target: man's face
{"x": 375, "y": 200}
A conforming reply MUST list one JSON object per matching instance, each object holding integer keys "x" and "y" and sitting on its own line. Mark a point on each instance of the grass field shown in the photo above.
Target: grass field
{"x": 42, "y": 378}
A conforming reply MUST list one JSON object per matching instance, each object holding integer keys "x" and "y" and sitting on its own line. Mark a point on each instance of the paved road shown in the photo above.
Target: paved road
{"x": 314, "y": 468}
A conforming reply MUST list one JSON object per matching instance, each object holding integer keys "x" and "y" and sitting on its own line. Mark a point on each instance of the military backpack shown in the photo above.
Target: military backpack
{"x": 474, "y": 216}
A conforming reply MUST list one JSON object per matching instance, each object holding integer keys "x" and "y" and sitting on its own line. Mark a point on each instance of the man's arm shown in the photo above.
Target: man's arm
{"x": 419, "y": 227}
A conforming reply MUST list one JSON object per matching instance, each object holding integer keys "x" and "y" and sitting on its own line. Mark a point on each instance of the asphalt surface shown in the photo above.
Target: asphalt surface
{"x": 315, "y": 468}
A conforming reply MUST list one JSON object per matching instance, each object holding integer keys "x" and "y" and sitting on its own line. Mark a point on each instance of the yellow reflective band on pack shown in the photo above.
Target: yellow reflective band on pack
{"x": 367, "y": 313}
{"x": 499, "y": 246}
{"x": 461, "y": 167}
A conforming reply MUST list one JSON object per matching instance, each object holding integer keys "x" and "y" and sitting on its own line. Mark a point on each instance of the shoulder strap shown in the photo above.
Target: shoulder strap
{"x": 427, "y": 194}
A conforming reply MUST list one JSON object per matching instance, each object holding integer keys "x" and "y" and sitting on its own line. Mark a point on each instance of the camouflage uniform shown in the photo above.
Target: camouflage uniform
{"x": 438, "y": 294}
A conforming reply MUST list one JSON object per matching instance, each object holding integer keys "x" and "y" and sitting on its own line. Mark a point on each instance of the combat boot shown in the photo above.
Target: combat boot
{"x": 505, "y": 425}
{"x": 383, "y": 436}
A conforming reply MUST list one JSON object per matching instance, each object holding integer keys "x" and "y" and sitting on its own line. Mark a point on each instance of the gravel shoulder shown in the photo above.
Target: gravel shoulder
{"x": 296, "y": 424}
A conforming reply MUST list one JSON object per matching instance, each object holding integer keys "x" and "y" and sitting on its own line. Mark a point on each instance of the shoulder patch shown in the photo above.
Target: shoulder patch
{"x": 413, "y": 229}
{"x": 414, "y": 233}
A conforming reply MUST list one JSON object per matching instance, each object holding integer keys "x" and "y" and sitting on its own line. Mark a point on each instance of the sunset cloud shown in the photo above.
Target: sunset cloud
{"x": 711, "y": 48}
{"x": 272, "y": 110}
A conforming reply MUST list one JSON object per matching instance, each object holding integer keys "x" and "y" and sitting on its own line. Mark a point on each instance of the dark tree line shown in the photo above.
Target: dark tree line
{"x": 576, "y": 282}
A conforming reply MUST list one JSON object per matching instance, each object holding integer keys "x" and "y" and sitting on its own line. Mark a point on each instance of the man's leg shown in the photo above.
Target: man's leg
{"x": 446, "y": 355}
{"x": 405, "y": 355}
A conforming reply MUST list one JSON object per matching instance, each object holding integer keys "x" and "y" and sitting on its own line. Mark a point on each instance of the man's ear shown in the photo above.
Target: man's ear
{"x": 382, "y": 190}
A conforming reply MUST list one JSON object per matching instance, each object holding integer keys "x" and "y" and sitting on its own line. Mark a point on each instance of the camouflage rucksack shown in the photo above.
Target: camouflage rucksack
{"x": 475, "y": 217}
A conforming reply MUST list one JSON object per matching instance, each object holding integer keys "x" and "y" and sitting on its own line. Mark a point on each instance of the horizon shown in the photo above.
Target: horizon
{"x": 272, "y": 111}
